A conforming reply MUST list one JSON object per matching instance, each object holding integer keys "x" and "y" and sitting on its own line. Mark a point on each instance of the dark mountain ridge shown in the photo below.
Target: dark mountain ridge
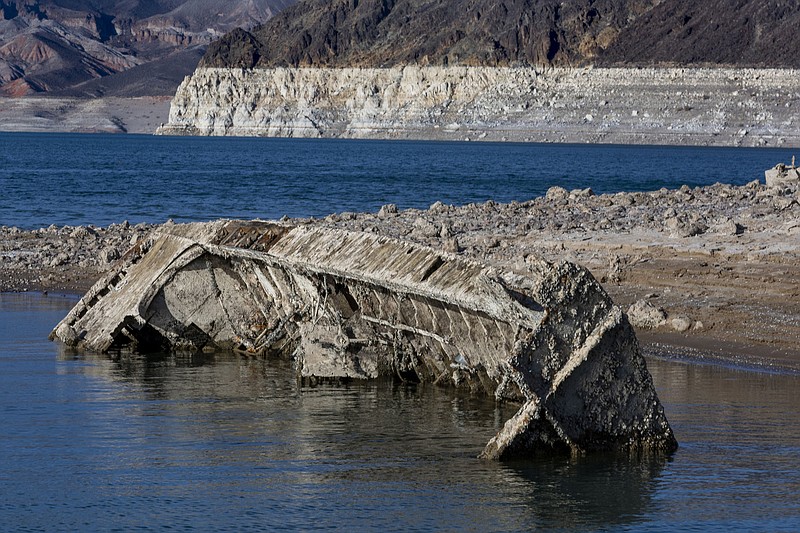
{"x": 380, "y": 33}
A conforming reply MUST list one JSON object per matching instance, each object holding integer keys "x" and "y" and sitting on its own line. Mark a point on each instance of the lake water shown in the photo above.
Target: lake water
{"x": 225, "y": 443}
{"x": 101, "y": 179}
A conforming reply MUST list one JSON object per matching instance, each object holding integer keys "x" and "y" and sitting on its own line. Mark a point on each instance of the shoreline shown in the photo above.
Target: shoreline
{"x": 714, "y": 271}
{"x": 663, "y": 106}
{"x": 106, "y": 114}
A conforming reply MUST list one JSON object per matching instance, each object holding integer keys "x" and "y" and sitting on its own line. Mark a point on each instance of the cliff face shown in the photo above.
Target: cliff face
{"x": 505, "y": 70}
{"x": 351, "y": 102}
{"x": 749, "y": 107}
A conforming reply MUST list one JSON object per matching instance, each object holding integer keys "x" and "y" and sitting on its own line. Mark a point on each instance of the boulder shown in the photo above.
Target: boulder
{"x": 557, "y": 193}
{"x": 781, "y": 174}
{"x": 643, "y": 314}
{"x": 387, "y": 210}
{"x": 681, "y": 323}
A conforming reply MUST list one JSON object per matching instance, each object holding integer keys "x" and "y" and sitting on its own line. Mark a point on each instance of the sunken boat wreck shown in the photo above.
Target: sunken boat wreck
{"x": 358, "y": 305}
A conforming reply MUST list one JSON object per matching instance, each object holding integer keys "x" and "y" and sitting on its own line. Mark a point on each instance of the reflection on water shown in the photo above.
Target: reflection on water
{"x": 740, "y": 440}
{"x": 382, "y": 443}
{"x": 590, "y": 492}
{"x": 219, "y": 441}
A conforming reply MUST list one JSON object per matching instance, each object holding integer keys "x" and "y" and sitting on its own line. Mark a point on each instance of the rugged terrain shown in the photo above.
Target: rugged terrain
{"x": 75, "y": 49}
{"x": 381, "y": 33}
{"x": 620, "y": 71}
{"x": 713, "y": 270}
{"x": 61, "y": 46}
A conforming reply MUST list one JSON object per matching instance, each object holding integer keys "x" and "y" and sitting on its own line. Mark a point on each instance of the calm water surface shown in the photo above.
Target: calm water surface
{"x": 226, "y": 443}
{"x": 101, "y": 179}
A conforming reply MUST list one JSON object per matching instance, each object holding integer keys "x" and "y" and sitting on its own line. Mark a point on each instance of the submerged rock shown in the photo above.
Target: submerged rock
{"x": 356, "y": 305}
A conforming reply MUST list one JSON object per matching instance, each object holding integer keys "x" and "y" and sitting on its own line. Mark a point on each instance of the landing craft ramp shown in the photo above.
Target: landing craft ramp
{"x": 358, "y": 305}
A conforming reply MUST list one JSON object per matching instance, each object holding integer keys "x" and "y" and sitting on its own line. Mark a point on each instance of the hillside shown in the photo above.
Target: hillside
{"x": 61, "y": 46}
{"x": 380, "y": 33}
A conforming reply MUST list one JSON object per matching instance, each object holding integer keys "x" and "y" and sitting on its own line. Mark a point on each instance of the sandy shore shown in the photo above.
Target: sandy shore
{"x": 714, "y": 272}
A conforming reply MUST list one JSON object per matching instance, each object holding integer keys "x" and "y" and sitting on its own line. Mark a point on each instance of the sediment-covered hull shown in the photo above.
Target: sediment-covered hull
{"x": 357, "y": 305}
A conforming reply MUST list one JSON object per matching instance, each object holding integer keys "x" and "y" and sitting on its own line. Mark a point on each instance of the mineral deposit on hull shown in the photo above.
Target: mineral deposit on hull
{"x": 356, "y": 305}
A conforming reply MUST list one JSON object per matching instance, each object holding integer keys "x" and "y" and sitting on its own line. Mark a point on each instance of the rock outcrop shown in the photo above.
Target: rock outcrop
{"x": 357, "y": 305}
{"x": 781, "y": 174}
{"x": 747, "y": 107}
{"x": 452, "y": 70}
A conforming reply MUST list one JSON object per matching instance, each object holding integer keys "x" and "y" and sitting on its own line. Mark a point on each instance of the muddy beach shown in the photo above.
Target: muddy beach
{"x": 709, "y": 272}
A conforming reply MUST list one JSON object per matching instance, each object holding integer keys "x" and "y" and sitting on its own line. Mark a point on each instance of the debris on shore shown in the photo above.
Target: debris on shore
{"x": 726, "y": 258}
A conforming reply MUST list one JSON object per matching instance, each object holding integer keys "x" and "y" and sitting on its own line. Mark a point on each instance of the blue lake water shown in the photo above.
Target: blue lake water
{"x": 225, "y": 443}
{"x": 222, "y": 443}
{"x": 100, "y": 179}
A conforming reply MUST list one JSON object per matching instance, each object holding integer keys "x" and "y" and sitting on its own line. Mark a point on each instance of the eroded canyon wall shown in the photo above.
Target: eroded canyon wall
{"x": 702, "y": 106}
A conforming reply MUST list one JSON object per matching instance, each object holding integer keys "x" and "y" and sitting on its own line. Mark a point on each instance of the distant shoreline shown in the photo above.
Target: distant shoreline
{"x": 659, "y": 106}
{"x": 35, "y": 114}
{"x": 653, "y": 106}
{"x": 722, "y": 262}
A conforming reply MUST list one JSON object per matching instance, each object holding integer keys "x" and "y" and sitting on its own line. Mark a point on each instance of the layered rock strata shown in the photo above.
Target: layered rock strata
{"x": 721, "y": 106}
{"x": 357, "y": 305}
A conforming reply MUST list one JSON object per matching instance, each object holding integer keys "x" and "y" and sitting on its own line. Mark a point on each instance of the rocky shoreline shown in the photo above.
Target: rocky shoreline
{"x": 712, "y": 270}
{"x": 66, "y": 259}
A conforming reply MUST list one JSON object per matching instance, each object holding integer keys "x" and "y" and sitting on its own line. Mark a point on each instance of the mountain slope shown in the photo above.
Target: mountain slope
{"x": 730, "y": 32}
{"x": 338, "y": 33}
{"x": 57, "y": 45}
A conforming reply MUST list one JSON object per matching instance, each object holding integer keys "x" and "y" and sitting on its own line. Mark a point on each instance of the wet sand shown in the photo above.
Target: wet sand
{"x": 715, "y": 270}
